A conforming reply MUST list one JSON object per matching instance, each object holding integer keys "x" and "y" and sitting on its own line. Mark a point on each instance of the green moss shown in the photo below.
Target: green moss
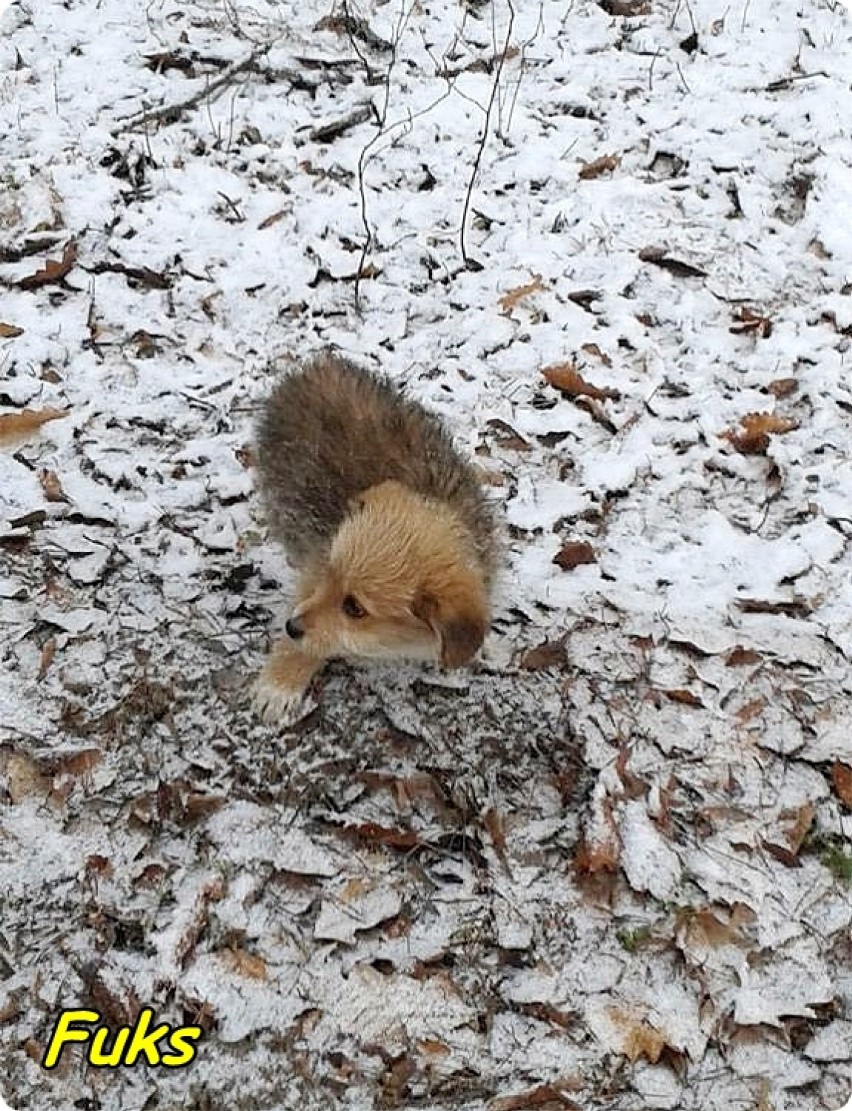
{"x": 838, "y": 862}
{"x": 631, "y": 940}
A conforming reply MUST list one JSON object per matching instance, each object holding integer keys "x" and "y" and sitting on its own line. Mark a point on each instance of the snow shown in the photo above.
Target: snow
{"x": 648, "y": 862}
{"x": 622, "y": 871}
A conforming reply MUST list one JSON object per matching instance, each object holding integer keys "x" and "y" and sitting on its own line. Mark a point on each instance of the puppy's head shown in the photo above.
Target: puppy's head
{"x": 400, "y": 580}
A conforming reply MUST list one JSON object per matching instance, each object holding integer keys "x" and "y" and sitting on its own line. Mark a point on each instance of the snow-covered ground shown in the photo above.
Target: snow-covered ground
{"x": 610, "y": 865}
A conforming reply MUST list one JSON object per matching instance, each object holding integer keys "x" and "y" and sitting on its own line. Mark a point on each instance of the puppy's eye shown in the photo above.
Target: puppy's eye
{"x": 353, "y": 608}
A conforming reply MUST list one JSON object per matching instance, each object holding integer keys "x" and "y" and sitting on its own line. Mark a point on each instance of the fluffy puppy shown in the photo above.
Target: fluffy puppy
{"x": 385, "y": 523}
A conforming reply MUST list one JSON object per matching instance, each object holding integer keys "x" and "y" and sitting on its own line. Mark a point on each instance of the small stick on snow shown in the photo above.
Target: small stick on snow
{"x": 328, "y": 132}
{"x": 169, "y": 113}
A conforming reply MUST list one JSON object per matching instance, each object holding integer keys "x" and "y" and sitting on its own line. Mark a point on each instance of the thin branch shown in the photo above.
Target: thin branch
{"x": 539, "y": 27}
{"x": 170, "y": 113}
{"x": 328, "y": 132}
{"x": 364, "y": 155}
{"x": 480, "y": 149}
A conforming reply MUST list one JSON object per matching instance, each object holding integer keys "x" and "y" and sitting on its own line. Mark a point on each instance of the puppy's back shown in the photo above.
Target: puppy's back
{"x": 331, "y": 430}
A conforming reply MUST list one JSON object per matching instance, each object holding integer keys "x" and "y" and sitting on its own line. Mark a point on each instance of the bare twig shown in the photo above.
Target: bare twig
{"x": 539, "y": 28}
{"x": 786, "y": 82}
{"x": 233, "y": 206}
{"x": 364, "y": 156}
{"x": 484, "y": 138}
{"x": 651, "y": 71}
{"x": 328, "y": 132}
{"x": 150, "y": 279}
{"x": 745, "y": 14}
{"x": 170, "y": 113}
{"x": 362, "y": 57}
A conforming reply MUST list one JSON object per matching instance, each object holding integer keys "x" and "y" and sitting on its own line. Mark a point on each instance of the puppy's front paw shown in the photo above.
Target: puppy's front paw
{"x": 279, "y": 691}
{"x": 278, "y": 705}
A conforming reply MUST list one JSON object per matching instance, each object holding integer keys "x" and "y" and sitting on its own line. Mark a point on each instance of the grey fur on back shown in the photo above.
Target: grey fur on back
{"x": 330, "y": 430}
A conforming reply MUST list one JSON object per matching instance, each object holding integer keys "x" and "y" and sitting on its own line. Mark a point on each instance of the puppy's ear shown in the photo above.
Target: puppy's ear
{"x": 460, "y": 622}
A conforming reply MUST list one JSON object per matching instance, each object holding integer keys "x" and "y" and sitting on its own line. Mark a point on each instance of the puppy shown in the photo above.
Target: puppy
{"x": 386, "y": 525}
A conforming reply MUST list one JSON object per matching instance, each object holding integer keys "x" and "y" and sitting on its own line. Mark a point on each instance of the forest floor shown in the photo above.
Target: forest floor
{"x": 609, "y": 865}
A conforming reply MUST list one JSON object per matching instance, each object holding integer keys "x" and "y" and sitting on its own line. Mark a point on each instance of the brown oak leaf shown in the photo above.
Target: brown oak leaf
{"x": 753, "y": 438}
{"x": 565, "y": 378}
{"x": 54, "y": 270}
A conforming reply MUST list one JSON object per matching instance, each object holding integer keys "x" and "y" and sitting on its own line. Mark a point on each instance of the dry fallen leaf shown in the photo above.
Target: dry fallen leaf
{"x": 684, "y": 697}
{"x": 599, "y": 847}
{"x": 48, "y": 650}
{"x": 431, "y": 1047}
{"x": 803, "y": 818}
{"x": 197, "y": 806}
{"x": 592, "y": 858}
{"x": 786, "y": 849}
{"x": 750, "y": 710}
{"x": 507, "y": 437}
{"x": 703, "y": 928}
{"x": 841, "y": 777}
{"x": 54, "y": 270}
{"x": 510, "y": 299}
{"x": 17, "y": 427}
{"x": 73, "y": 764}
{"x": 174, "y": 802}
{"x": 781, "y": 853}
{"x": 408, "y": 790}
{"x": 628, "y": 8}
{"x": 640, "y": 1039}
{"x": 546, "y": 1012}
{"x": 152, "y": 875}
{"x": 550, "y": 653}
{"x": 245, "y": 964}
{"x": 374, "y": 833}
{"x": 756, "y": 430}
{"x": 35, "y": 1051}
{"x": 742, "y": 657}
{"x": 118, "y": 1009}
{"x": 272, "y": 219}
{"x": 602, "y": 165}
{"x": 749, "y": 321}
{"x": 783, "y": 387}
{"x": 369, "y": 272}
{"x": 52, "y": 486}
{"x": 593, "y": 349}
{"x": 495, "y": 823}
{"x": 212, "y": 892}
{"x": 354, "y": 889}
{"x": 24, "y": 778}
{"x": 634, "y": 786}
{"x": 395, "y": 1079}
{"x": 545, "y": 1097}
{"x": 10, "y": 331}
{"x": 98, "y": 865}
{"x": 598, "y": 414}
{"x": 564, "y": 377}
{"x": 573, "y": 554}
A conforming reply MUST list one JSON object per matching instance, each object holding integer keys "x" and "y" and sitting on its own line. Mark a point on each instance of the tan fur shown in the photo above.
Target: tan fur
{"x": 402, "y": 549}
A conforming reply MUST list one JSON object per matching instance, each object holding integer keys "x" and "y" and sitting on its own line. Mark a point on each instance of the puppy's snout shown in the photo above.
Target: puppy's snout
{"x": 295, "y": 629}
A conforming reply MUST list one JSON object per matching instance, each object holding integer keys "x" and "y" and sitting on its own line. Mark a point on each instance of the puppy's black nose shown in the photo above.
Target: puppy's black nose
{"x": 294, "y": 629}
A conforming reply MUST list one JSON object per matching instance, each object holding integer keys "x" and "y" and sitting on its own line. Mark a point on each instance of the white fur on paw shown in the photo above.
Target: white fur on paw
{"x": 279, "y": 705}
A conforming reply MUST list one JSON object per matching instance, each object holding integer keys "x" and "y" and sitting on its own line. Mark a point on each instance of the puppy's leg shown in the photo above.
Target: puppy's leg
{"x": 280, "y": 688}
